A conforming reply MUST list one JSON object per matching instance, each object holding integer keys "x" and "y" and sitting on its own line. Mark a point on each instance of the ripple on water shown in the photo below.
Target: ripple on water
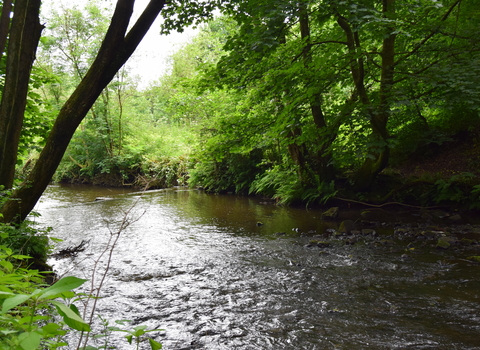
{"x": 199, "y": 267}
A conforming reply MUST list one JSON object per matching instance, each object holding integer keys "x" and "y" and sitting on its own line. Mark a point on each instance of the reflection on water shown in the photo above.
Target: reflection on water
{"x": 226, "y": 272}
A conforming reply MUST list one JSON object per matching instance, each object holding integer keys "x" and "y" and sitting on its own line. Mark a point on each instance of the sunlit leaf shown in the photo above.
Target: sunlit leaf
{"x": 30, "y": 340}
{"x": 63, "y": 285}
{"x": 71, "y": 318}
{"x": 12, "y": 302}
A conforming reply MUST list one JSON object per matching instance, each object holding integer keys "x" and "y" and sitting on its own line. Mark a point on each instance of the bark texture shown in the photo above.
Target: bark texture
{"x": 23, "y": 41}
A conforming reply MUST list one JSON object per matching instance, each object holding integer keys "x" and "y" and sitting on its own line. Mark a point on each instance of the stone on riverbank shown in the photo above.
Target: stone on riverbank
{"x": 454, "y": 219}
{"x": 346, "y": 226}
{"x": 330, "y": 214}
{"x": 445, "y": 242}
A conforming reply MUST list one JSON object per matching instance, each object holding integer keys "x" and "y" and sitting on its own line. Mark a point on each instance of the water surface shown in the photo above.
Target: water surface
{"x": 228, "y": 272}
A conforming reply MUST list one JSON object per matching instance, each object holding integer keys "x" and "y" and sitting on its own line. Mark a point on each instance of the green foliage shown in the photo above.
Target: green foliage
{"x": 134, "y": 335}
{"x": 279, "y": 183}
{"x": 27, "y": 240}
{"x": 284, "y": 75}
{"x": 163, "y": 173}
{"x": 321, "y": 194}
{"x": 234, "y": 173}
{"x": 284, "y": 186}
{"x": 39, "y": 115}
{"x": 255, "y": 100}
{"x": 22, "y": 326}
{"x": 459, "y": 189}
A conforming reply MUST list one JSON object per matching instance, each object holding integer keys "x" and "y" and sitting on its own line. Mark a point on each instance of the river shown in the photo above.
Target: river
{"x": 229, "y": 272}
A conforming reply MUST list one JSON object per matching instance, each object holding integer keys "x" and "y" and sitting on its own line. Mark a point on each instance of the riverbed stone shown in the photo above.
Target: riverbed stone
{"x": 387, "y": 241}
{"x": 367, "y": 214}
{"x": 320, "y": 244}
{"x": 475, "y": 258}
{"x": 346, "y": 226}
{"x": 369, "y": 231}
{"x": 351, "y": 240}
{"x": 454, "y": 219}
{"x": 466, "y": 241}
{"x": 426, "y": 216}
{"x": 445, "y": 242}
{"x": 330, "y": 214}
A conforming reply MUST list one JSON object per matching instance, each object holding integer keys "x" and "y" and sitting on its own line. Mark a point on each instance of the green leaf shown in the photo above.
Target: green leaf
{"x": 139, "y": 330}
{"x": 64, "y": 285}
{"x": 53, "y": 329}
{"x": 6, "y": 293}
{"x": 75, "y": 309}
{"x": 7, "y": 265}
{"x": 71, "y": 318}
{"x": 29, "y": 340}
{"x": 154, "y": 344}
{"x": 10, "y": 303}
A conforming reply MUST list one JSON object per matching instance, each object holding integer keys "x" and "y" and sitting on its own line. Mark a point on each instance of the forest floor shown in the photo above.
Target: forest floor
{"x": 460, "y": 155}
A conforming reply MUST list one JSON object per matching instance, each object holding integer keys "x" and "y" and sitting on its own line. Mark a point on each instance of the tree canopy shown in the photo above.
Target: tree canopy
{"x": 291, "y": 99}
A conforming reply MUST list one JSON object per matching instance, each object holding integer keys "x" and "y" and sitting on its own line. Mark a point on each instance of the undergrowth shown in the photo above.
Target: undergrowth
{"x": 35, "y": 315}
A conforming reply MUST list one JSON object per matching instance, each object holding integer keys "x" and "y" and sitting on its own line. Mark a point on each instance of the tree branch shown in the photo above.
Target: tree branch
{"x": 115, "y": 50}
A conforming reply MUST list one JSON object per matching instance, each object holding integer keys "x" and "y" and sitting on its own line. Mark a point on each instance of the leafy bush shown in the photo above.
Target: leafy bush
{"x": 279, "y": 183}
{"x": 163, "y": 173}
{"x": 235, "y": 172}
{"x": 284, "y": 186}
{"x": 26, "y": 240}
{"x": 34, "y": 315}
{"x": 22, "y": 325}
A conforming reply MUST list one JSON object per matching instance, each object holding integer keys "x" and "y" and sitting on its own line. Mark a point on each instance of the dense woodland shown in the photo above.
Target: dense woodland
{"x": 306, "y": 101}
{"x": 298, "y": 101}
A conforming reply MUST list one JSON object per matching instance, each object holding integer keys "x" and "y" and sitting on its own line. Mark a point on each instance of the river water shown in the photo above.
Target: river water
{"x": 228, "y": 272}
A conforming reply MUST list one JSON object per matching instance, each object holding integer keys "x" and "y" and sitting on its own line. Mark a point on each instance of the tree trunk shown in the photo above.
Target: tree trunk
{"x": 24, "y": 36}
{"x": 322, "y": 158}
{"x": 378, "y": 160}
{"x": 5, "y": 25}
{"x": 114, "y": 52}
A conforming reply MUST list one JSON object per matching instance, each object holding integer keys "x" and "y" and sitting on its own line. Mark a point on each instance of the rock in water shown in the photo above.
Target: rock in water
{"x": 445, "y": 242}
{"x": 331, "y": 213}
{"x": 346, "y": 226}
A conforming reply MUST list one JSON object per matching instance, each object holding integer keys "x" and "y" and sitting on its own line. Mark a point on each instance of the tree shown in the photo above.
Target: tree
{"x": 69, "y": 46}
{"x": 117, "y": 46}
{"x": 330, "y": 76}
{"x": 23, "y": 40}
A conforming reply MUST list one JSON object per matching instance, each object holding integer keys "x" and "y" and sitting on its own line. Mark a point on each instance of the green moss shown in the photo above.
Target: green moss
{"x": 442, "y": 244}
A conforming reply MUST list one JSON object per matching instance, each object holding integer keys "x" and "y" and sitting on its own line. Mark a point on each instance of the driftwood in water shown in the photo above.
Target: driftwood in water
{"x": 71, "y": 251}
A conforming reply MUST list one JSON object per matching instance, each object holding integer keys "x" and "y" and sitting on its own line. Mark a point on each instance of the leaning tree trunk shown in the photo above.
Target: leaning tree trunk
{"x": 23, "y": 41}
{"x": 114, "y": 52}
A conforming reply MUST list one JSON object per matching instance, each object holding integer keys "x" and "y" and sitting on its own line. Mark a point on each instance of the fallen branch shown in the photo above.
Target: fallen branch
{"x": 389, "y": 203}
{"x": 71, "y": 251}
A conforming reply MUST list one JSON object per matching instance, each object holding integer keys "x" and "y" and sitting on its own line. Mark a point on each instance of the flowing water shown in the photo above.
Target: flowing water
{"x": 228, "y": 272}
